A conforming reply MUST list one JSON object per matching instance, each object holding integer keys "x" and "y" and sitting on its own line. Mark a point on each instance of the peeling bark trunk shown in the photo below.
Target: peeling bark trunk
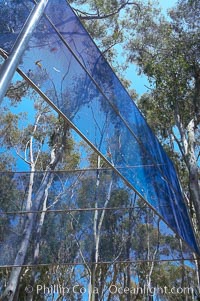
{"x": 187, "y": 148}
{"x": 41, "y": 220}
{"x": 193, "y": 171}
{"x": 38, "y": 233}
{"x": 197, "y": 263}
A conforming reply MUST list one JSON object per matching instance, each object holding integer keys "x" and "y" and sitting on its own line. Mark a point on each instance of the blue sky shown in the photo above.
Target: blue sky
{"x": 165, "y": 4}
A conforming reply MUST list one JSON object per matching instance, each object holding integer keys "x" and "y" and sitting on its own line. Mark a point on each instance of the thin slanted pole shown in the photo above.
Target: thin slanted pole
{"x": 9, "y": 66}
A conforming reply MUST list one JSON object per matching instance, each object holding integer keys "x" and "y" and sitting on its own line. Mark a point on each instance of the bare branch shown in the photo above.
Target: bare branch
{"x": 21, "y": 157}
{"x": 178, "y": 143}
{"x": 79, "y": 246}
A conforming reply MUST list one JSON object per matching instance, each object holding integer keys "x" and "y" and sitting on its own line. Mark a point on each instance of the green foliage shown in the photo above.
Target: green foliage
{"x": 17, "y": 91}
{"x": 167, "y": 52}
{"x": 9, "y": 134}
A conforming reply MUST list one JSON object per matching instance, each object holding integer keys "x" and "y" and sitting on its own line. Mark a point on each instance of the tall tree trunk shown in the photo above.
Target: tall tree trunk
{"x": 98, "y": 222}
{"x": 128, "y": 246}
{"x": 187, "y": 149}
{"x": 13, "y": 282}
{"x": 193, "y": 171}
{"x": 38, "y": 232}
{"x": 9, "y": 293}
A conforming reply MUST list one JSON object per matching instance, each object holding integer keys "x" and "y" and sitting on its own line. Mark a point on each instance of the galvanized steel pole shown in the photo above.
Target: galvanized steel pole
{"x": 9, "y": 66}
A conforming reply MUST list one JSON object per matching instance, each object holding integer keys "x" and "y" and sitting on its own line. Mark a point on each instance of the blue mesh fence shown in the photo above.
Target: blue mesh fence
{"x": 74, "y": 208}
{"x": 63, "y": 61}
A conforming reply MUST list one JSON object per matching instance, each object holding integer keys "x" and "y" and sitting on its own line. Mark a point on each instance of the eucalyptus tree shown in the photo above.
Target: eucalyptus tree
{"x": 42, "y": 142}
{"x": 167, "y": 51}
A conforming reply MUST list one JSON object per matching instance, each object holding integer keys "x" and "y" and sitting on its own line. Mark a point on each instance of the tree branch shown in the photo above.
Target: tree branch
{"x": 21, "y": 157}
{"x": 88, "y": 16}
{"x": 178, "y": 143}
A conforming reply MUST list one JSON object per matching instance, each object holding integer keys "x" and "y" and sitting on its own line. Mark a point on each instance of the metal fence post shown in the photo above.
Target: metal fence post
{"x": 11, "y": 63}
